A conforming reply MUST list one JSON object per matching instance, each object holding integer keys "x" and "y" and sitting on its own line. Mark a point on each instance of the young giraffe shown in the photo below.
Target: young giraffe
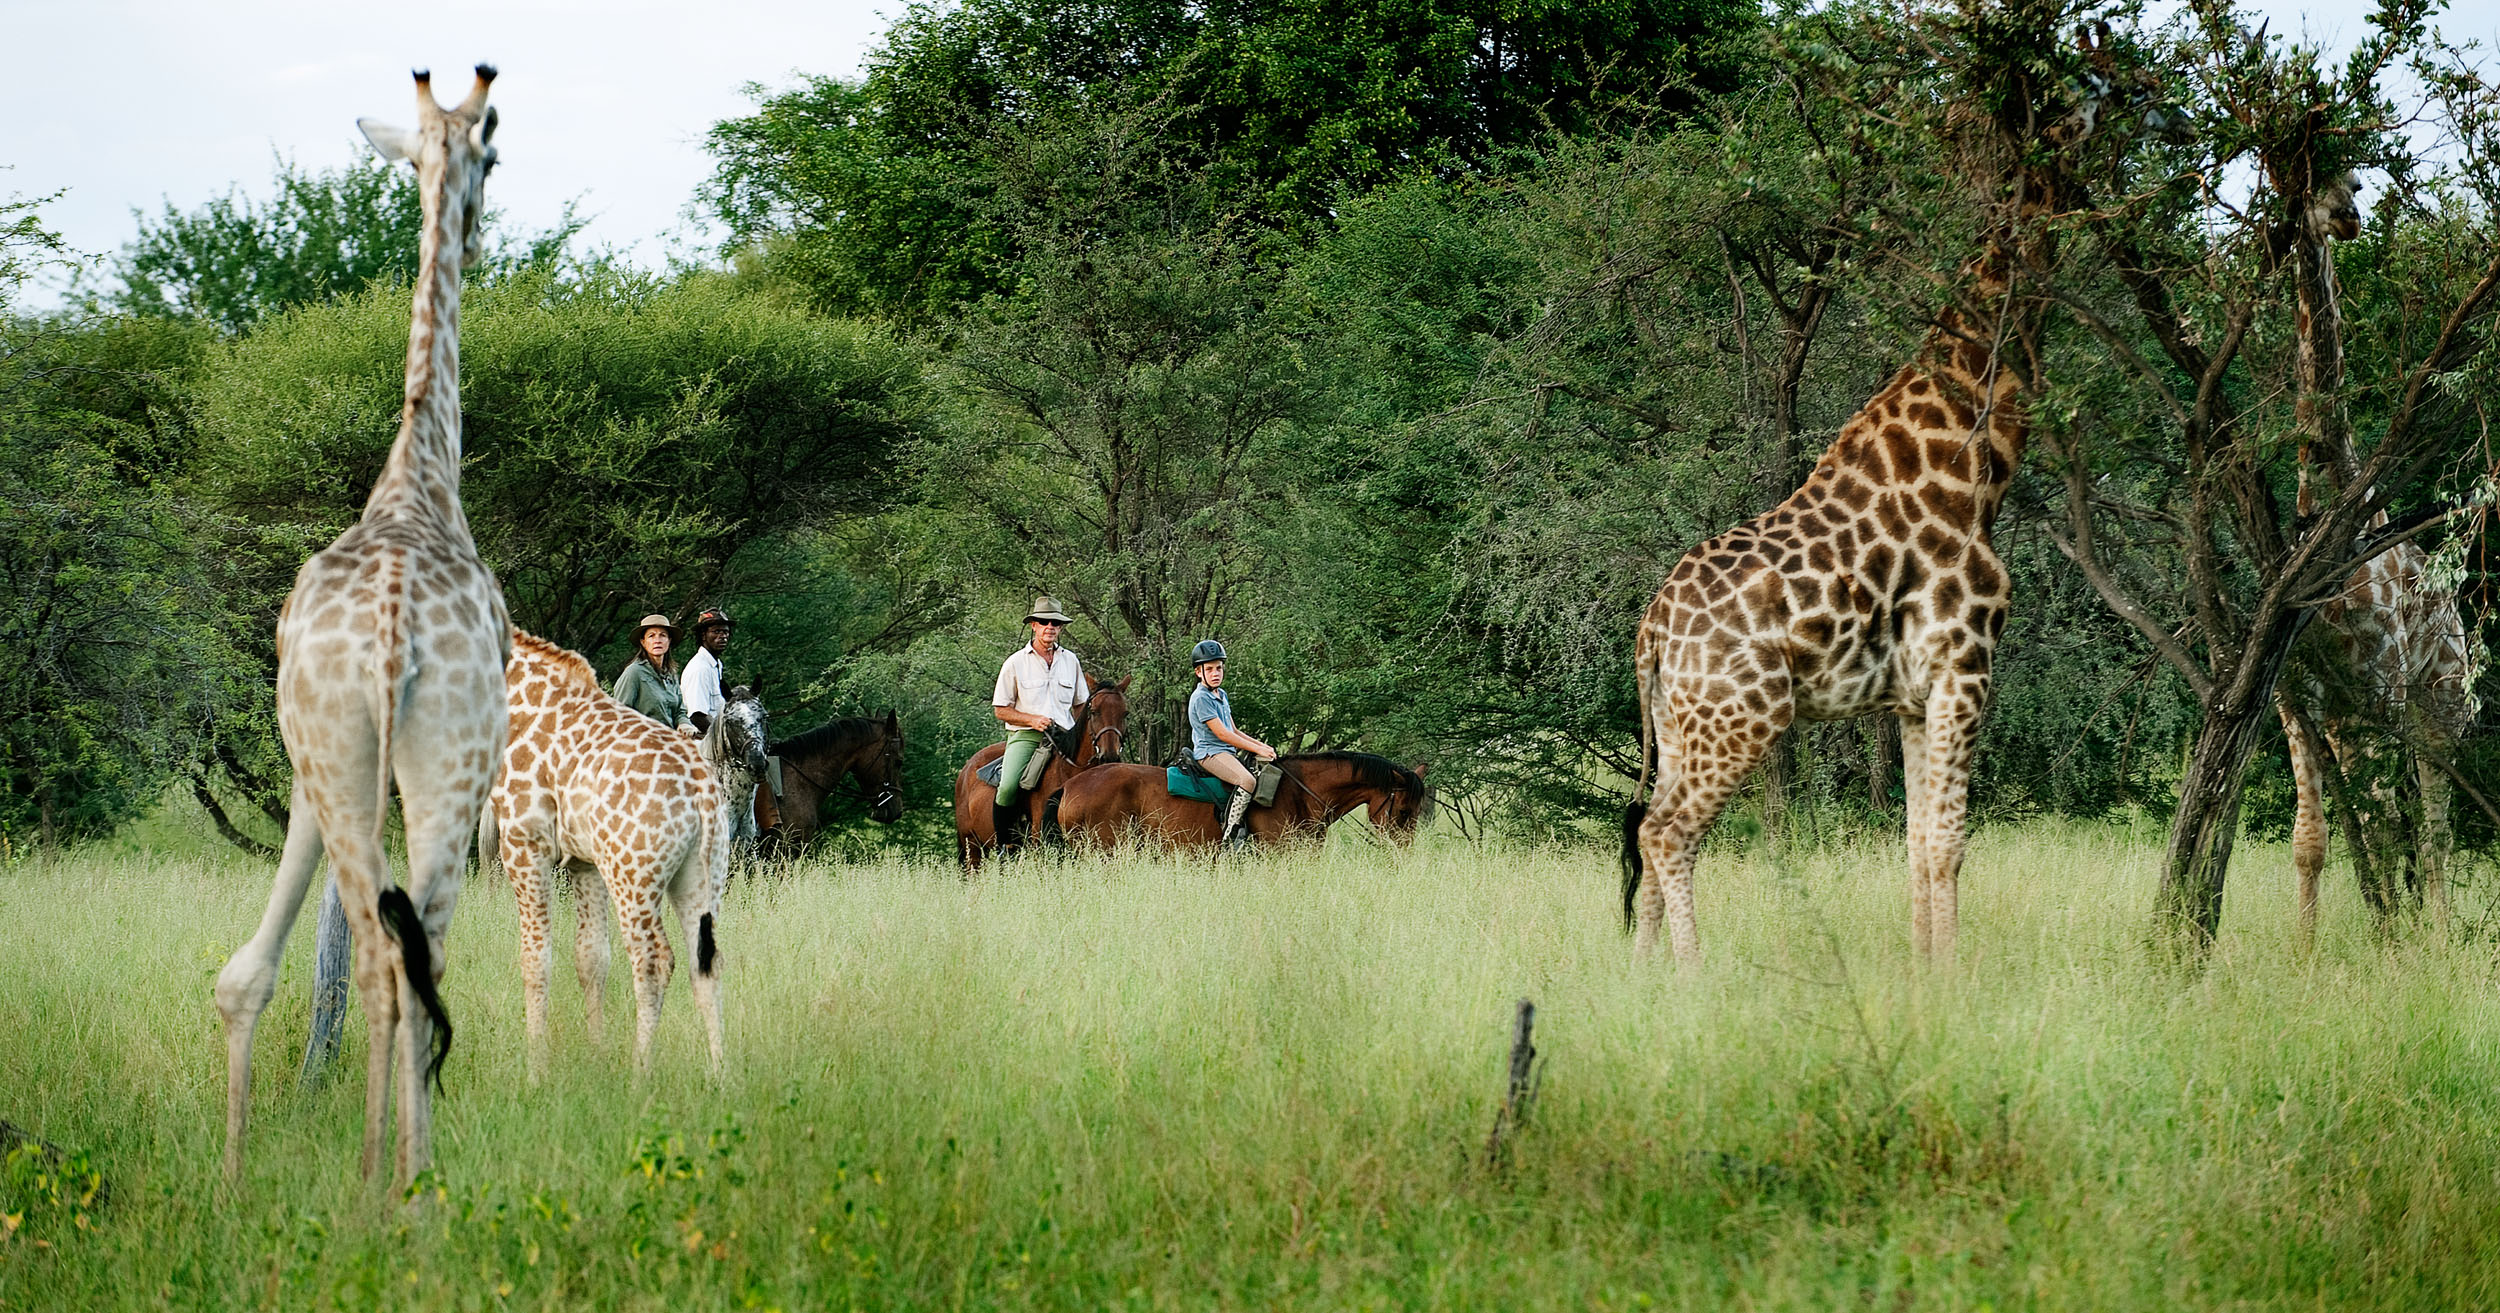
{"x": 1873, "y": 586}
{"x": 589, "y": 781}
{"x": 390, "y": 650}
{"x": 2408, "y": 645}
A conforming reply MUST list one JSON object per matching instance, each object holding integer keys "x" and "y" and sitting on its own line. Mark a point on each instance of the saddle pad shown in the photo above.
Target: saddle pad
{"x": 1181, "y": 784}
{"x": 989, "y": 774}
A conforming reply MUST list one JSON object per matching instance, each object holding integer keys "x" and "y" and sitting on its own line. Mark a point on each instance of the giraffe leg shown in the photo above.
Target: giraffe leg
{"x": 377, "y": 975}
{"x": 1671, "y": 840}
{"x": 2308, "y": 817}
{"x": 1953, "y": 715}
{"x": 441, "y": 810}
{"x": 697, "y": 894}
{"x": 591, "y": 915}
{"x": 1914, "y": 788}
{"x": 533, "y": 892}
{"x": 2436, "y": 838}
{"x": 637, "y": 895}
{"x": 249, "y": 978}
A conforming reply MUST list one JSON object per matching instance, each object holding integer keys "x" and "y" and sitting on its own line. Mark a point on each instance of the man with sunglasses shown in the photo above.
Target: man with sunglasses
{"x": 1039, "y": 689}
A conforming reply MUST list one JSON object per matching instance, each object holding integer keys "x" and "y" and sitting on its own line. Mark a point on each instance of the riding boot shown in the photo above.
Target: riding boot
{"x": 1236, "y": 817}
{"x": 1007, "y": 822}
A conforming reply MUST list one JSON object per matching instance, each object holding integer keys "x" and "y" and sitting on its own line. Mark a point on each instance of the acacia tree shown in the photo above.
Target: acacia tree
{"x": 2219, "y": 314}
{"x": 1117, "y": 415}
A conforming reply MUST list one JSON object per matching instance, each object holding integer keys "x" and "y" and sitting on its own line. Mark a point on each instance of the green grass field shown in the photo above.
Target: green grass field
{"x": 1269, "y": 1084}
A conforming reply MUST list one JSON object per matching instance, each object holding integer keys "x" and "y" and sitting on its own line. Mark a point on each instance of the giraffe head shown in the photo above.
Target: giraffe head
{"x": 451, "y": 151}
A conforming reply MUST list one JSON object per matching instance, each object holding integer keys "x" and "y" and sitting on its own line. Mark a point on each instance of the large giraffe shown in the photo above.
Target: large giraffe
{"x": 590, "y": 781}
{"x": 1873, "y": 587}
{"x": 2407, "y": 644}
{"x": 390, "y": 669}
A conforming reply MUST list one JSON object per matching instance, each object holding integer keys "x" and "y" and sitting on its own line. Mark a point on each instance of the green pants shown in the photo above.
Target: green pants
{"x": 1021, "y": 745}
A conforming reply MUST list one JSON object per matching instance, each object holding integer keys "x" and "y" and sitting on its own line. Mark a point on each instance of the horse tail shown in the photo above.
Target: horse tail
{"x": 1645, "y": 681}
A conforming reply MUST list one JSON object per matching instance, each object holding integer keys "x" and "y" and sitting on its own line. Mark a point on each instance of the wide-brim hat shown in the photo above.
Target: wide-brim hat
{"x": 657, "y": 621}
{"x": 1046, "y": 607}
{"x": 714, "y": 616}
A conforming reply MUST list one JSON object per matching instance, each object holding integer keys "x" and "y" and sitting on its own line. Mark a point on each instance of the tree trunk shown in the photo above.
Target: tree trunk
{"x": 331, "y": 945}
{"x": 2187, "y": 912}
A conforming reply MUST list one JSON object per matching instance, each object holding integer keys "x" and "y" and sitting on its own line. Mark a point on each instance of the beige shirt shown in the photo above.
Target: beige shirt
{"x": 1049, "y": 688}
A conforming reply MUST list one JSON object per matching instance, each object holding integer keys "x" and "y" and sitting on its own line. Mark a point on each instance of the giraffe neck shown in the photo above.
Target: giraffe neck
{"x": 422, "y": 476}
{"x": 1949, "y": 429}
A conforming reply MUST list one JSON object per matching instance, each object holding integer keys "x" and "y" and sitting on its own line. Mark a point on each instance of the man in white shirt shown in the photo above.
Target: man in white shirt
{"x": 1040, "y": 686}
{"x": 701, "y": 682}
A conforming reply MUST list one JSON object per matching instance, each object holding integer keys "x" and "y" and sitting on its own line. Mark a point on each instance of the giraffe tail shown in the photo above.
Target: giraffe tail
{"x": 1639, "y": 806}
{"x": 394, "y": 664}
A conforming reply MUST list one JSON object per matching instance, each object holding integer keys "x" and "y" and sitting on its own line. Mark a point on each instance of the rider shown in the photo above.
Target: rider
{"x": 703, "y": 685}
{"x": 1214, "y": 742}
{"x": 649, "y": 682}
{"x": 1040, "y": 686}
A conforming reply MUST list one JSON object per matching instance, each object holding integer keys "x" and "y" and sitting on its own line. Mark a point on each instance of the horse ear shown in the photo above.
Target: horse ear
{"x": 1419, "y": 771}
{"x": 893, "y": 720}
{"x": 1124, "y": 679}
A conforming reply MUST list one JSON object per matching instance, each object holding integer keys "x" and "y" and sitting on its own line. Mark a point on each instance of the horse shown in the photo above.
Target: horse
{"x": 869, "y": 749}
{"x": 1101, "y": 805}
{"x": 734, "y": 747}
{"x": 1101, "y": 731}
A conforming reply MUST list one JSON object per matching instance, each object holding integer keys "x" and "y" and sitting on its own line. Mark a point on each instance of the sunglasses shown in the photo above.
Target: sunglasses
{"x": 1055, "y": 624}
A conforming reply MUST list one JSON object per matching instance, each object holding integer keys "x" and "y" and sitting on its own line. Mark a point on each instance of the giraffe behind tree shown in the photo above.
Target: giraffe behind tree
{"x": 391, "y": 651}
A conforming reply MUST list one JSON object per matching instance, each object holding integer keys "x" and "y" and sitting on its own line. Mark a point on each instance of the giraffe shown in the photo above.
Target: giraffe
{"x": 2406, "y": 642}
{"x": 390, "y": 650}
{"x": 1872, "y": 587}
{"x": 589, "y": 781}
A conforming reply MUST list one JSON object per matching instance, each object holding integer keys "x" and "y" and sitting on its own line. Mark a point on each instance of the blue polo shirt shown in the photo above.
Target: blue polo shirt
{"x": 1204, "y": 705}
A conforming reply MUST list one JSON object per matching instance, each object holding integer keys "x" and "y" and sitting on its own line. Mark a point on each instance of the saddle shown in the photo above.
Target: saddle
{"x": 1187, "y": 779}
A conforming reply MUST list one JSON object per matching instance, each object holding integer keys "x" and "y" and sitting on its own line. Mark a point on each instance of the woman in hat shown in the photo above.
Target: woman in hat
{"x": 649, "y": 681}
{"x": 1040, "y": 686}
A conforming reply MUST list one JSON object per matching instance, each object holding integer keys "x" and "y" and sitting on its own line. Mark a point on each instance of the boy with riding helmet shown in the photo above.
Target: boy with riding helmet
{"x": 1040, "y": 686}
{"x": 1214, "y": 741}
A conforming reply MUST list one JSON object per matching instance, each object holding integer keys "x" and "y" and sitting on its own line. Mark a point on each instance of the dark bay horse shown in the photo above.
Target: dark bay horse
{"x": 1101, "y": 731}
{"x": 867, "y": 749}
{"x": 1103, "y": 805}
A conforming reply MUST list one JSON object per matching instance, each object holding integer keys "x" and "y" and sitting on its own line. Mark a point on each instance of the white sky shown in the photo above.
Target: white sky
{"x": 131, "y": 103}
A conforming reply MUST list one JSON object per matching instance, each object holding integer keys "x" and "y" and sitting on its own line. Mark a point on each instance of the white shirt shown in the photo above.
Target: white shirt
{"x": 702, "y": 683}
{"x": 1026, "y": 682}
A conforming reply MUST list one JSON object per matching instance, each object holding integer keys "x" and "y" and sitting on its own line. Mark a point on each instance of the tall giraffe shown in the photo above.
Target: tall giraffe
{"x": 590, "y": 781}
{"x": 390, "y": 669}
{"x": 2407, "y": 644}
{"x": 1871, "y": 587}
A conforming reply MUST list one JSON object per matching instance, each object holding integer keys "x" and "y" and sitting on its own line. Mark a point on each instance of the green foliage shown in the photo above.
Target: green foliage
{"x": 625, "y": 438}
{"x": 878, "y": 194}
{"x": 112, "y": 654}
{"x": 324, "y": 234}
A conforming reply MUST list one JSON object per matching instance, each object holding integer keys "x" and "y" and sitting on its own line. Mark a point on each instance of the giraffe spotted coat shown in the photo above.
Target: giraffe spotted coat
{"x": 590, "y": 782}
{"x": 1871, "y": 588}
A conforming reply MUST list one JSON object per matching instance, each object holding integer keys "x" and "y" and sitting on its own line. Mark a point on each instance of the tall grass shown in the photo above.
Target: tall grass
{"x": 1268, "y": 1083}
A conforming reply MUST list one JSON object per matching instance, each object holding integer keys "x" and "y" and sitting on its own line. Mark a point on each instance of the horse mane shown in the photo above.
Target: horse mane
{"x": 828, "y": 735}
{"x": 567, "y": 668}
{"x": 1373, "y": 770}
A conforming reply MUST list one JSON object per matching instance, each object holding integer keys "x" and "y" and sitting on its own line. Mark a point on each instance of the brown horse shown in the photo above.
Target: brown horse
{"x": 1101, "y": 730}
{"x": 866, "y": 749}
{"x": 1100, "y": 806}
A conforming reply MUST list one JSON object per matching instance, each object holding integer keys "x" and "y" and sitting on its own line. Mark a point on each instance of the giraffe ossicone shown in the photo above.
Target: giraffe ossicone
{"x": 390, "y": 662}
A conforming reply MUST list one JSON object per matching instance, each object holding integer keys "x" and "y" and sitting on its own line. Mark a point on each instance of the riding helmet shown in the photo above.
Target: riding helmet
{"x": 1207, "y": 650}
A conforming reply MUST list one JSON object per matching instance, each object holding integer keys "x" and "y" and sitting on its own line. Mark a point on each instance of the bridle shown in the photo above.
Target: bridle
{"x": 889, "y": 791}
